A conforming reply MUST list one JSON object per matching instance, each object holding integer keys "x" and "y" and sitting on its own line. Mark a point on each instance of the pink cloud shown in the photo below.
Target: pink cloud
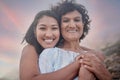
{"x": 11, "y": 16}
{"x": 7, "y": 59}
{"x": 9, "y": 44}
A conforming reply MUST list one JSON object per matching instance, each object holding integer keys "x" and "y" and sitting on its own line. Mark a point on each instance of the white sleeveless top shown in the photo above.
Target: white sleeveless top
{"x": 53, "y": 59}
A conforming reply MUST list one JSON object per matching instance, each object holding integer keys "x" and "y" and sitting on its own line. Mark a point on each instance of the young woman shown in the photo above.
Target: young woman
{"x": 44, "y": 32}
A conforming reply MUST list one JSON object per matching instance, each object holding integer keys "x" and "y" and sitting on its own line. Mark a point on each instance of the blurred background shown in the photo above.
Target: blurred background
{"x": 17, "y": 15}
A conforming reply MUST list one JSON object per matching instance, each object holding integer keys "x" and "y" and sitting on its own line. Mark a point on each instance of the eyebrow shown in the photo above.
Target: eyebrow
{"x": 74, "y": 17}
{"x": 41, "y": 25}
{"x": 45, "y": 25}
{"x": 54, "y": 25}
{"x": 78, "y": 17}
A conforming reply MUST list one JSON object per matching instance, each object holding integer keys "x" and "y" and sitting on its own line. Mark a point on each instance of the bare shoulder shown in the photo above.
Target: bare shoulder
{"x": 97, "y": 53}
{"x": 28, "y": 63}
{"x": 29, "y": 50}
{"x": 29, "y": 54}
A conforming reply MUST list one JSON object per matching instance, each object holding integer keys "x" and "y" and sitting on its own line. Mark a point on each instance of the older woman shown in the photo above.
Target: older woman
{"x": 74, "y": 27}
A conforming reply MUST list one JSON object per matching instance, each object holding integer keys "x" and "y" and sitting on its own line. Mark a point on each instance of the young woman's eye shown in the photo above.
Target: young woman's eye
{"x": 42, "y": 28}
{"x": 55, "y": 28}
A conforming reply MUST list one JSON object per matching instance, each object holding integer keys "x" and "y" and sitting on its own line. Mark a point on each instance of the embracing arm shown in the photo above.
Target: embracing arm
{"x": 94, "y": 63}
{"x": 28, "y": 63}
{"x": 67, "y": 73}
{"x": 29, "y": 69}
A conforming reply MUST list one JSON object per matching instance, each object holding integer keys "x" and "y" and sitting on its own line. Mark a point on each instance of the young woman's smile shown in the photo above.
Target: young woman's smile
{"x": 47, "y": 32}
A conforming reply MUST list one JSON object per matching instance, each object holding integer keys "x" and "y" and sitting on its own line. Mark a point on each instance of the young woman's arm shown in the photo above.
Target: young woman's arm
{"x": 85, "y": 74}
{"x": 28, "y": 63}
{"x": 29, "y": 69}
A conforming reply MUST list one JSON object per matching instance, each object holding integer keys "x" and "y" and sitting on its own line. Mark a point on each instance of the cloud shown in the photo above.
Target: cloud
{"x": 12, "y": 17}
{"x": 105, "y": 24}
{"x": 10, "y": 44}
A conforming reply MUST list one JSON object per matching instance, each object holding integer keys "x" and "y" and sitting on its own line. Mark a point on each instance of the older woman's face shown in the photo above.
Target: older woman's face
{"x": 72, "y": 26}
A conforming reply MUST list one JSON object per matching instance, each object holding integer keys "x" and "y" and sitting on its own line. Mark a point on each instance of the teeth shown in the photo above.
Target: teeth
{"x": 49, "y": 40}
{"x": 72, "y": 31}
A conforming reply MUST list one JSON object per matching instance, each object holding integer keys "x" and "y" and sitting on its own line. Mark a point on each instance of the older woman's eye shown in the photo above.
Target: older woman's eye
{"x": 65, "y": 20}
{"x": 77, "y": 20}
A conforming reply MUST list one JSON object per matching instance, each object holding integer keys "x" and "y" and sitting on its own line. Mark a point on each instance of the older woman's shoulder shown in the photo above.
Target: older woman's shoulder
{"x": 98, "y": 53}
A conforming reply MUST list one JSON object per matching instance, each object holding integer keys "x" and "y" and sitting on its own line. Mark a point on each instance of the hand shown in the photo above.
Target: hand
{"x": 84, "y": 74}
{"x": 83, "y": 71}
{"x": 92, "y": 63}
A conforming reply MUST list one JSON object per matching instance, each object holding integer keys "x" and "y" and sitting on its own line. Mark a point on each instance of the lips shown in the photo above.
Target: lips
{"x": 72, "y": 31}
{"x": 48, "y": 40}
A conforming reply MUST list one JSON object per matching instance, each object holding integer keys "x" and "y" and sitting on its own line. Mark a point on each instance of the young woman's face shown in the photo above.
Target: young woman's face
{"x": 47, "y": 32}
{"x": 72, "y": 26}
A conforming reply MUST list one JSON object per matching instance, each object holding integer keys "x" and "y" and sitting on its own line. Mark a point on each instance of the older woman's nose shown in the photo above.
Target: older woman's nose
{"x": 72, "y": 24}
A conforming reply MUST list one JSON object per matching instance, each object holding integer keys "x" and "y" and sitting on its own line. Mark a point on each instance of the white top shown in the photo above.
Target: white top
{"x": 53, "y": 59}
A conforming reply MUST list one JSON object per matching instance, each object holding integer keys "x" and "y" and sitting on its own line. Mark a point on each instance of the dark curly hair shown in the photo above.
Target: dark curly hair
{"x": 67, "y": 6}
{"x": 30, "y": 35}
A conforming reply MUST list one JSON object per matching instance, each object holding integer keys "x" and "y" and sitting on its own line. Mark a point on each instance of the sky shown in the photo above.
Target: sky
{"x": 17, "y": 15}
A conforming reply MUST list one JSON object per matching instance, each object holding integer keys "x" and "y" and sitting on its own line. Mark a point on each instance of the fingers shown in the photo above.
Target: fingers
{"x": 91, "y": 61}
{"x": 91, "y": 57}
{"x": 79, "y": 57}
{"x": 84, "y": 59}
{"x": 86, "y": 54}
{"x": 89, "y": 68}
{"x": 85, "y": 62}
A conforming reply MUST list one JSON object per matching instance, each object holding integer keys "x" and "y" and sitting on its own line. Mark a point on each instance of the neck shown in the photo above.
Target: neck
{"x": 72, "y": 46}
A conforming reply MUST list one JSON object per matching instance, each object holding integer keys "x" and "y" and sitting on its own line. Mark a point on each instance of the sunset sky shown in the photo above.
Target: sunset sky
{"x": 17, "y": 15}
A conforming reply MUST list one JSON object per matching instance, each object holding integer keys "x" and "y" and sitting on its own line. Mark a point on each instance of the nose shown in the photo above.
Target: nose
{"x": 72, "y": 24}
{"x": 48, "y": 34}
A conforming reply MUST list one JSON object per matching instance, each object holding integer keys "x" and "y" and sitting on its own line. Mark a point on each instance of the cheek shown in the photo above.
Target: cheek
{"x": 64, "y": 25}
{"x": 81, "y": 26}
{"x": 62, "y": 31}
{"x": 54, "y": 34}
{"x": 39, "y": 34}
{"x": 62, "y": 28}
{"x": 57, "y": 34}
{"x": 81, "y": 29}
